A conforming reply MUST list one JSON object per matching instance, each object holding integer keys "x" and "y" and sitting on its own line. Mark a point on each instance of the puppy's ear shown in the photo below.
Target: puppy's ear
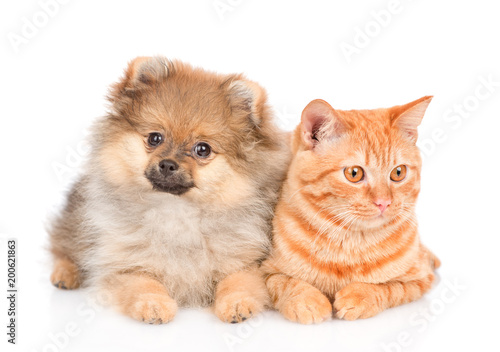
{"x": 142, "y": 72}
{"x": 247, "y": 97}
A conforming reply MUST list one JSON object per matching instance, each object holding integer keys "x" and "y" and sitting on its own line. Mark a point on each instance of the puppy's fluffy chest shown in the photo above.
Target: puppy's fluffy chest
{"x": 171, "y": 236}
{"x": 185, "y": 246}
{"x": 173, "y": 223}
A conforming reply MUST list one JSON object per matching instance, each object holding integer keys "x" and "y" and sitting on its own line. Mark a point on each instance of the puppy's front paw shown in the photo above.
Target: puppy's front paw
{"x": 355, "y": 301}
{"x": 153, "y": 308}
{"x": 307, "y": 307}
{"x": 237, "y": 307}
{"x": 65, "y": 275}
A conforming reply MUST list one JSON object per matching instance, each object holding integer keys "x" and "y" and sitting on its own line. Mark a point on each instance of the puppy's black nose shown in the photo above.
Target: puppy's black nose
{"x": 168, "y": 167}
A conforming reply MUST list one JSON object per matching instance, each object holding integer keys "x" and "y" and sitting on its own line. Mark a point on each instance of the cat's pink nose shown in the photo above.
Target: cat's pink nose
{"x": 382, "y": 204}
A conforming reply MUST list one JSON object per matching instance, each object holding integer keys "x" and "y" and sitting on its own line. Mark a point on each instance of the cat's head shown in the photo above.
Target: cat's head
{"x": 359, "y": 166}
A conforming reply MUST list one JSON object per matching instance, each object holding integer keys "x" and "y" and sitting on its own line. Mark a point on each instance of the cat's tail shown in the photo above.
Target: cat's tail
{"x": 435, "y": 262}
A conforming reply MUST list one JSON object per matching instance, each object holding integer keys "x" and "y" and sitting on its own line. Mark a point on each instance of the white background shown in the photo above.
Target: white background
{"x": 53, "y": 86}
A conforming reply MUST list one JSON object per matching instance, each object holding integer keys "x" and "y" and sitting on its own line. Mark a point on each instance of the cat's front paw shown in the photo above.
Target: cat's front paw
{"x": 153, "y": 308}
{"x": 237, "y": 307}
{"x": 307, "y": 307}
{"x": 356, "y": 301}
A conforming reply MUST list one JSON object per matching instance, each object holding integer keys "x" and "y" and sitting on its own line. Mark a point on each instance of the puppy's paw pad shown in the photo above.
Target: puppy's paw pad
{"x": 153, "y": 308}
{"x": 236, "y": 308}
{"x": 353, "y": 303}
{"x": 307, "y": 308}
{"x": 61, "y": 285}
{"x": 65, "y": 275}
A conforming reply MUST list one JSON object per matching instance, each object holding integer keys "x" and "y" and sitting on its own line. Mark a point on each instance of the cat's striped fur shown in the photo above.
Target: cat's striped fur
{"x": 333, "y": 240}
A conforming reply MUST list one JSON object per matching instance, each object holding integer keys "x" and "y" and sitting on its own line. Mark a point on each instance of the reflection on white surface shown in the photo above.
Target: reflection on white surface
{"x": 71, "y": 321}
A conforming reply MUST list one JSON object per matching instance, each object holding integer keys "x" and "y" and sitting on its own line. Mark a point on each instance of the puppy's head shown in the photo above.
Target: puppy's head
{"x": 185, "y": 131}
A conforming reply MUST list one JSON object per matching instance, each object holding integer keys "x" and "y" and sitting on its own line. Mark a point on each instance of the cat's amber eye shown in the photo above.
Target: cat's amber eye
{"x": 398, "y": 173}
{"x": 354, "y": 173}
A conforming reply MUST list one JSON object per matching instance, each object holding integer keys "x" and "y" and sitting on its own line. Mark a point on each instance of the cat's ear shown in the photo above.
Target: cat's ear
{"x": 319, "y": 120}
{"x": 408, "y": 117}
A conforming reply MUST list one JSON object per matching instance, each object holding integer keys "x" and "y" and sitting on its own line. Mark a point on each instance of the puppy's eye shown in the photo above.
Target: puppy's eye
{"x": 354, "y": 173}
{"x": 202, "y": 150}
{"x": 398, "y": 173}
{"x": 155, "y": 139}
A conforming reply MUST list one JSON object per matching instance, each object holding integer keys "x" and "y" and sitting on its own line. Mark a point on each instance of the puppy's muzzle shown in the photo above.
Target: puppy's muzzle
{"x": 168, "y": 167}
{"x": 168, "y": 177}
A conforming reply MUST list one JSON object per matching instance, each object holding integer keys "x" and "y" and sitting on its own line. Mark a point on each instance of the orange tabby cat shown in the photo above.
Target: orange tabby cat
{"x": 345, "y": 227}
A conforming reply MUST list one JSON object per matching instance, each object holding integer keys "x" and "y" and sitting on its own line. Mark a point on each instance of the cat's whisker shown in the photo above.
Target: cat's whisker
{"x": 331, "y": 210}
{"x": 341, "y": 230}
{"x": 406, "y": 215}
{"x": 341, "y": 226}
{"x": 331, "y": 221}
{"x": 295, "y": 193}
{"x": 411, "y": 218}
{"x": 328, "y": 220}
{"x": 328, "y": 223}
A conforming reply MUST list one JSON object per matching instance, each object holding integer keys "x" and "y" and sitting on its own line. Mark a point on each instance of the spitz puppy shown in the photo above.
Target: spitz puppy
{"x": 175, "y": 203}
